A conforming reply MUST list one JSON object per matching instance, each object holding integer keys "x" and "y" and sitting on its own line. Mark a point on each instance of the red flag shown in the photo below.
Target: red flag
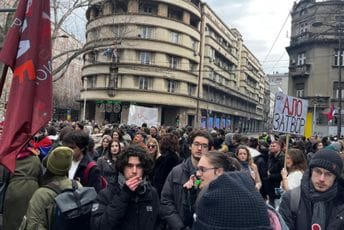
{"x": 330, "y": 114}
{"x": 27, "y": 50}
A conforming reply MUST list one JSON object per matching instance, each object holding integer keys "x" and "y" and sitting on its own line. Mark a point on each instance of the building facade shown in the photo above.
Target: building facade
{"x": 176, "y": 56}
{"x": 315, "y": 57}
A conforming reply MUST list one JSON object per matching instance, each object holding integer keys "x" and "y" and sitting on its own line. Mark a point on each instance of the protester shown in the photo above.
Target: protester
{"x": 318, "y": 203}
{"x": 172, "y": 193}
{"x": 244, "y": 156}
{"x": 153, "y": 148}
{"x": 104, "y": 147}
{"x": 107, "y": 162}
{"x": 131, "y": 202}
{"x": 22, "y": 184}
{"x": 275, "y": 165}
{"x": 42, "y": 205}
{"x": 78, "y": 141}
{"x": 231, "y": 202}
{"x": 169, "y": 146}
{"x": 296, "y": 165}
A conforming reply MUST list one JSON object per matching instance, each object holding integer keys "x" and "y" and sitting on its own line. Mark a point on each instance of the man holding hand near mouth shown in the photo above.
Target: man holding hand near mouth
{"x": 129, "y": 202}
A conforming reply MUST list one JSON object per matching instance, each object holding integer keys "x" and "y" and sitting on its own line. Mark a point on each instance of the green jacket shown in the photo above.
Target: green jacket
{"x": 23, "y": 183}
{"x": 42, "y": 205}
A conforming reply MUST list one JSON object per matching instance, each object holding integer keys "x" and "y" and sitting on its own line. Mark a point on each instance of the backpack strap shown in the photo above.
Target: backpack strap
{"x": 295, "y": 196}
{"x": 86, "y": 173}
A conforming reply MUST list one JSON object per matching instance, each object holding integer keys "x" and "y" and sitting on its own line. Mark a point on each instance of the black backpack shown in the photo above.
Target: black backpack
{"x": 73, "y": 207}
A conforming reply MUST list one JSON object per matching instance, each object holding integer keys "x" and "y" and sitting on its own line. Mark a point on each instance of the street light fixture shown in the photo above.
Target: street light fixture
{"x": 339, "y": 30}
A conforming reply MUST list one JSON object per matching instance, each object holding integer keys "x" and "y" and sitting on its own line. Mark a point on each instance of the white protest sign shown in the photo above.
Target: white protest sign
{"x": 141, "y": 114}
{"x": 289, "y": 114}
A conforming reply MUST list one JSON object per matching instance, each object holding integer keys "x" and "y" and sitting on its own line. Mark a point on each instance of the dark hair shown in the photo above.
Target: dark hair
{"x": 221, "y": 160}
{"x": 64, "y": 131}
{"x": 135, "y": 151}
{"x": 298, "y": 158}
{"x": 78, "y": 138}
{"x": 249, "y": 157}
{"x": 119, "y": 148}
{"x": 201, "y": 133}
{"x": 80, "y": 125}
{"x": 51, "y": 130}
{"x": 169, "y": 143}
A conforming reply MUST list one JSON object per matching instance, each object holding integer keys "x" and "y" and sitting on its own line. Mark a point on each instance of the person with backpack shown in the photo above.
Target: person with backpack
{"x": 42, "y": 205}
{"x": 131, "y": 202}
{"x": 83, "y": 168}
{"x": 319, "y": 202}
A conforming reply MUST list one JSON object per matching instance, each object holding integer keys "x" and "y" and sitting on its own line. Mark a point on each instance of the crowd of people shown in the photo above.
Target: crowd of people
{"x": 178, "y": 178}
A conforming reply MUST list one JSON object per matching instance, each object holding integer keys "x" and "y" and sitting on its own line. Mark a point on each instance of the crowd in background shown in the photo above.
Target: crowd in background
{"x": 191, "y": 179}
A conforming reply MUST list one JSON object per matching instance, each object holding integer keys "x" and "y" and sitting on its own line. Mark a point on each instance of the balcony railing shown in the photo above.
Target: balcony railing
{"x": 300, "y": 70}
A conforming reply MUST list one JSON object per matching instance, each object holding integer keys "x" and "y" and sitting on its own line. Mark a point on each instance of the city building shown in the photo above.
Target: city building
{"x": 316, "y": 58}
{"x": 176, "y": 56}
{"x": 278, "y": 82}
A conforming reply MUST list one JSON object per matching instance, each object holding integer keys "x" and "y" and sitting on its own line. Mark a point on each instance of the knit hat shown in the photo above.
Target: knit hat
{"x": 60, "y": 160}
{"x": 327, "y": 159}
{"x": 231, "y": 202}
{"x": 336, "y": 146}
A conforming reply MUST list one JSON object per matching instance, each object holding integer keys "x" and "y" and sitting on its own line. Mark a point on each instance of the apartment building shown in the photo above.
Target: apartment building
{"x": 316, "y": 58}
{"x": 176, "y": 56}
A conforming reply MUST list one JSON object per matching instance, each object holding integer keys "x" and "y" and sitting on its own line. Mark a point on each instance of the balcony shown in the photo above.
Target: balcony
{"x": 300, "y": 70}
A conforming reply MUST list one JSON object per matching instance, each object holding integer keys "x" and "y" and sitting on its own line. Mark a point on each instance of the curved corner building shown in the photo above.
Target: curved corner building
{"x": 316, "y": 60}
{"x": 176, "y": 56}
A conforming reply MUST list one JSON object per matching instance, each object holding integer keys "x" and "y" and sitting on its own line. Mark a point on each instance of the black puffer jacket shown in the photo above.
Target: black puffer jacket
{"x": 118, "y": 208}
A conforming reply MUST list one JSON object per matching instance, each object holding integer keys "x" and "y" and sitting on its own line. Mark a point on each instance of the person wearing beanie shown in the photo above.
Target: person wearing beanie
{"x": 42, "y": 205}
{"x": 319, "y": 202}
{"x": 231, "y": 202}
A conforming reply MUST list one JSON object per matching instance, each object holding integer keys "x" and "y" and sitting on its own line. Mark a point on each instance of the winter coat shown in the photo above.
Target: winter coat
{"x": 302, "y": 218}
{"x": 173, "y": 195}
{"x": 163, "y": 166}
{"x": 275, "y": 166}
{"x": 41, "y": 206}
{"x": 93, "y": 176}
{"x": 107, "y": 168}
{"x": 23, "y": 183}
{"x": 119, "y": 208}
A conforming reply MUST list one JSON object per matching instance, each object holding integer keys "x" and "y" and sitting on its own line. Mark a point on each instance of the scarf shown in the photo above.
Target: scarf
{"x": 318, "y": 199}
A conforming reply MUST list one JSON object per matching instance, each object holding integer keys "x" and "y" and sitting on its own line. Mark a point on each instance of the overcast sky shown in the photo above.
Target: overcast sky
{"x": 259, "y": 22}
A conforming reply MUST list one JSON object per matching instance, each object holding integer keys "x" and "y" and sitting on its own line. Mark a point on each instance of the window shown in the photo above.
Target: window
{"x": 147, "y": 32}
{"x": 91, "y": 81}
{"x": 336, "y": 90}
{"x": 174, "y": 37}
{"x": 145, "y": 58}
{"x": 300, "y": 88}
{"x": 338, "y": 57}
{"x": 171, "y": 86}
{"x": 194, "y": 44}
{"x": 303, "y": 27}
{"x": 174, "y": 62}
{"x": 143, "y": 83}
{"x": 118, "y": 31}
{"x": 301, "y": 59}
{"x": 193, "y": 67}
{"x": 191, "y": 89}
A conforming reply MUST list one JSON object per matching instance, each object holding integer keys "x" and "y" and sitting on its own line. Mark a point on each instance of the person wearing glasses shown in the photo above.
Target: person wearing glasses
{"x": 153, "y": 148}
{"x": 318, "y": 203}
{"x": 171, "y": 209}
{"x": 168, "y": 159}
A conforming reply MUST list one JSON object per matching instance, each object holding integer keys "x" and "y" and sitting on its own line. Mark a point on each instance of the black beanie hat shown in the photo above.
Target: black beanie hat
{"x": 327, "y": 159}
{"x": 231, "y": 202}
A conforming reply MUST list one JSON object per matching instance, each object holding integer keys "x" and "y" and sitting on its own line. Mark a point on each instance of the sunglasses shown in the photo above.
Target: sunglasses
{"x": 151, "y": 146}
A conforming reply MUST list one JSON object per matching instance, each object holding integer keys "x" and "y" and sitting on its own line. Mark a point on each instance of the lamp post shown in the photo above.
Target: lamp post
{"x": 339, "y": 32}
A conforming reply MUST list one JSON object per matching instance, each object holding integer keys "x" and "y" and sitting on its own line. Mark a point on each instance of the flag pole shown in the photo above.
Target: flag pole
{"x": 3, "y": 78}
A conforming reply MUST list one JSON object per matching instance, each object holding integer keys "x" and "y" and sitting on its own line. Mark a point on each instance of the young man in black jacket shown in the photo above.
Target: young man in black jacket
{"x": 78, "y": 140}
{"x": 131, "y": 202}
